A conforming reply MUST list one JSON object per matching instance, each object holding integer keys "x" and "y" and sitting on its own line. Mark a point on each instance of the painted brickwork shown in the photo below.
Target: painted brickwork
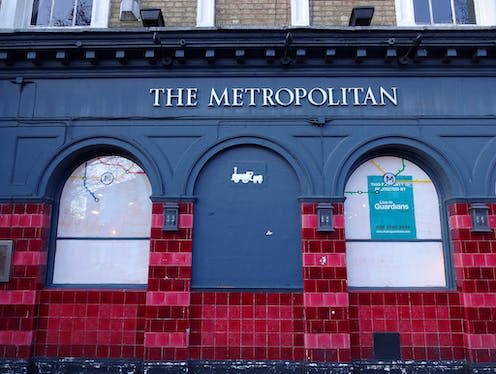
{"x": 167, "y": 321}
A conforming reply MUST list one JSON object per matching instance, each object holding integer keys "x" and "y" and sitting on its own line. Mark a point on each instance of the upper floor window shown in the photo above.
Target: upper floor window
{"x": 104, "y": 223}
{"x": 54, "y": 13}
{"x": 61, "y": 12}
{"x": 446, "y": 12}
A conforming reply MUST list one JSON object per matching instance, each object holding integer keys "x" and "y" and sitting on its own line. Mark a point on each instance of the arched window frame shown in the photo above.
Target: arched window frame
{"x": 55, "y": 234}
{"x": 443, "y": 227}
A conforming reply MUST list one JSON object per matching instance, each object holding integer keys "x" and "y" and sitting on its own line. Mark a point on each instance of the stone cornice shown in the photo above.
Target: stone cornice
{"x": 350, "y": 48}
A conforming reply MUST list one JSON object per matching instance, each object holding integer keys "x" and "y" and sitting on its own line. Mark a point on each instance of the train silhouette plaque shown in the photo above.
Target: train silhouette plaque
{"x": 247, "y": 176}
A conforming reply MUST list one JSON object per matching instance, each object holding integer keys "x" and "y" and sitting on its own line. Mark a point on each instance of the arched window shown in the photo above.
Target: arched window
{"x": 104, "y": 221}
{"x": 393, "y": 226}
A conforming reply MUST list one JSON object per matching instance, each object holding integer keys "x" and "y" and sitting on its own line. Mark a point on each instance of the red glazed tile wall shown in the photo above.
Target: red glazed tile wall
{"x": 474, "y": 257}
{"x": 169, "y": 281}
{"x": 327, "y": 329}
{"x": 27, "y": 225}
{"x": 90, "y": 323}
{"x": 247, "y": 325}
{"x": 167, "y": 321}
{"x": 430, "y": 323}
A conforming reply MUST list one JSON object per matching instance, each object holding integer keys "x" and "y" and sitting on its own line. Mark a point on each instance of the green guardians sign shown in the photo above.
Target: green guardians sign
{"x": 392, "y": 214}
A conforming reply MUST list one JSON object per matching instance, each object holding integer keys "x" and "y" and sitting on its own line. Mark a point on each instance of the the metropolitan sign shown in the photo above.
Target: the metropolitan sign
{"x": 273, "y": 97}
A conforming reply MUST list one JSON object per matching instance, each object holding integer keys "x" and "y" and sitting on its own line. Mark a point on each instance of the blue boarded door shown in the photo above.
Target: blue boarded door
{"x": 247, "y": 222}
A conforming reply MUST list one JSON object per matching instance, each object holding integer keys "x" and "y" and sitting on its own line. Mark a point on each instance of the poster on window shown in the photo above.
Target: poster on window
{"x": 392, "y": 214}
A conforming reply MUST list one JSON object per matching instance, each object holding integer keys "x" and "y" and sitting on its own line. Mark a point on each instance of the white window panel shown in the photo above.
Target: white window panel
{"x": 385, "y": 264}
{"x": 205, "y": 15}
{"x": 101, "y": 262}
{"x": 300, "y": 13}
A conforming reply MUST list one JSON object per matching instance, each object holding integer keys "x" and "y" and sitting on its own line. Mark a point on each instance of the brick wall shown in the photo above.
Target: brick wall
{"x": 337, "y": 12}
{"x": 177, "y": 13}
{"x": 252, "y": 12}
{"x": 182, "y": 13}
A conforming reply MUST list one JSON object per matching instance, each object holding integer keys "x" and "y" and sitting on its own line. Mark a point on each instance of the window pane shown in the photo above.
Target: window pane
{"x": 106, "y": 197}
{"x": 441, "y": 11}
{"x": 83, "y": 12}
{"x": 101, "y": 262}
{"x": 41, "y": 12}
{"x": 422, "y": 13}
{"x": 465, "y": 12}
{"x": 104, "y": 224}
{"x": 390, "y": 198}
{"x": 384, "y": 264}
{"x": 63, "y": 13}
{"x": 393, "y": 226}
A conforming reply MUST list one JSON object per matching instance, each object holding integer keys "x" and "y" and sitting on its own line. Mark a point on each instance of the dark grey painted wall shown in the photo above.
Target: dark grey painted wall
{"x": 445, "y": 124}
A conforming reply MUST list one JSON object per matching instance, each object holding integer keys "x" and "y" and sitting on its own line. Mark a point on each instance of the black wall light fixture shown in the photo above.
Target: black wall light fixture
{"x": 480, "y": 220}
{"x": 152, "y": 17}
{"x": 361, "y": 16}
{"x": 6, "y": 248}
{"x": 324, "y": 217}
{"x": 171, "y": 217}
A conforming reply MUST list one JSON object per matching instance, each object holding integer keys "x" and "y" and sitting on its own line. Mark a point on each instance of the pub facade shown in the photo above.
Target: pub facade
{"x": 287, "y": 199}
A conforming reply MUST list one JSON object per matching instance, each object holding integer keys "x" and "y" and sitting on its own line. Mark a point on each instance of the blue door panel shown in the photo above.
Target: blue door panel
{"x": 247, "y": 231}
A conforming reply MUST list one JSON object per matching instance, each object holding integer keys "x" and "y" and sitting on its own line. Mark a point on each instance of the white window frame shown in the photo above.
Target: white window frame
{"x": 16, "y": 14}
{"x": 485, "y": 14}
{"x": 205, "y": 13}
{"x": 300, "y": 13}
